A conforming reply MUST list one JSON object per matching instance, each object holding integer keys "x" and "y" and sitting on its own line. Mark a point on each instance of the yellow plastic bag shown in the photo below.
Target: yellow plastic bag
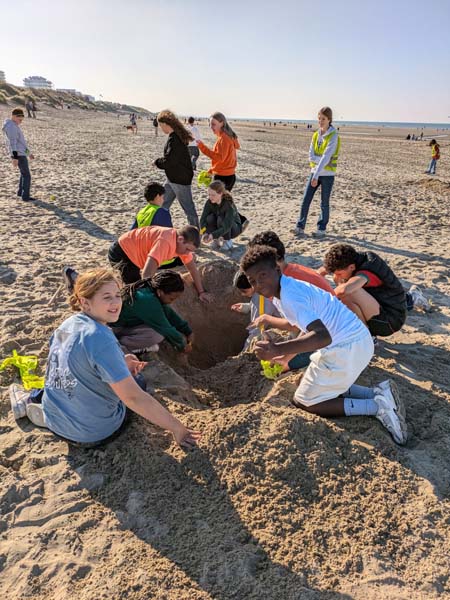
{"x": 25, "y": 364}
{"x": 271, "y": 371}
{"x": 204, "y": 178}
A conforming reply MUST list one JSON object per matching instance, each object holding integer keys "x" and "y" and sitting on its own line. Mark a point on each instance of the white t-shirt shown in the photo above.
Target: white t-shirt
{"x": 195, "y": 131}
{"x": 302, "y": 303}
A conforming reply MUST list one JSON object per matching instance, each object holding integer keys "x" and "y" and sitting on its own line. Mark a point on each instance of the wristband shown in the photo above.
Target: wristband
{"x": 15, "y": 155}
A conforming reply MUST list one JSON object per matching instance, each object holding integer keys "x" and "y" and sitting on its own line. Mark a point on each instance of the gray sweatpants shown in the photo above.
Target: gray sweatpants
{"x": 183, "y": 193}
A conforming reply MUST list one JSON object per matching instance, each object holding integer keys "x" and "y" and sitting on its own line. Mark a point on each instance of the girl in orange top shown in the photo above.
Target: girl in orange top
{"x": 223, "y": 155}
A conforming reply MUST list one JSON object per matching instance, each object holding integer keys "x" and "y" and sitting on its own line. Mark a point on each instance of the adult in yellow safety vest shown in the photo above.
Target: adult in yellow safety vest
{"x": 323, "y": 156}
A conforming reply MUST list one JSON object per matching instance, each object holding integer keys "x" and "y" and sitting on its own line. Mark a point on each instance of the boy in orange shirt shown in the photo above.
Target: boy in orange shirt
{"x": 139, "y": 252}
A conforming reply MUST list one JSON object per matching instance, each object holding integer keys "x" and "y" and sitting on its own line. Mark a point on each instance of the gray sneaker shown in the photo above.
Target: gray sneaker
{"x": 391, "y": 412}
{"x": 419, "y": 299}
{"x": 299, "y": 232}
{"x": 320, "y": 233}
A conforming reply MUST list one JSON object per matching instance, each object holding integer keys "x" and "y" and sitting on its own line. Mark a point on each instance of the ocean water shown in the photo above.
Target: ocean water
{"x": 379, "y": 124}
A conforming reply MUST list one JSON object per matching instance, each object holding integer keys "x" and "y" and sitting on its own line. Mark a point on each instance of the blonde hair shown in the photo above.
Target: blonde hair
{"x": 88, "y": 284}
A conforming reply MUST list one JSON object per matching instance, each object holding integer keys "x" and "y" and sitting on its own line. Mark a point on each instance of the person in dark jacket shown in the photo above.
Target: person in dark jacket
{"x": 177, "y": 165}
{"x": 368, "y": 286}
{"x": 18, "y": 151}
{"x": 146, "y": 318}
{"x": 220, "y": 217}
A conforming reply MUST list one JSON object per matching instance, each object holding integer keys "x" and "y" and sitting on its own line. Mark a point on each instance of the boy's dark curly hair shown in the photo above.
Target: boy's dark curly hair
{"x": 258, "y": 254}
{"x": 339, "y": 256}
{"x": 269, "y": 238}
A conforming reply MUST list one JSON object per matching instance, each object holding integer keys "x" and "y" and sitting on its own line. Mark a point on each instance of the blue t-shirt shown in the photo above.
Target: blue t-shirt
{"x": 301, "y": 303}
{"x": 78, "y": 402}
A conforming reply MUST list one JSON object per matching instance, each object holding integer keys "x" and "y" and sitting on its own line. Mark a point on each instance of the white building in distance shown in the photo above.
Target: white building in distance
{"x": 2, "y": 77}
{"x": 37, "y": 82}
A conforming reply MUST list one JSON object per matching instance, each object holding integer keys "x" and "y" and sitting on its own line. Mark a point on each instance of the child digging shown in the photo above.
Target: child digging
{"x": 341, "y": 344}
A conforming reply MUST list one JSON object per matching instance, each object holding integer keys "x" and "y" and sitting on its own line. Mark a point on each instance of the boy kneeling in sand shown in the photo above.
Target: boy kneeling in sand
{"x": 341, "y": 344}
{"x": 369, "y": 287}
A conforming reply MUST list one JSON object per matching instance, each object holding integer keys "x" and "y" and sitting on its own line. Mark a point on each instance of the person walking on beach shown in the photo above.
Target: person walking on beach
{"x": 133, "y": 123}
{"x": 18, "y": 151}
{"x": 323, "y": 155}
{"x": 192, "y": 146}
{"x": 435, "y": 156}
{"x": 223, "y": 155}
{"x": 155, "y": 125}
{"x": 29, "y": 107}
{"x": 177, "y": 165}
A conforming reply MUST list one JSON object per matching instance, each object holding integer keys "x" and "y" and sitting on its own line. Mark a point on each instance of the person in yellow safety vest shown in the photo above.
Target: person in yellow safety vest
{"x": 435, "y": 156}
{"x": 323, "y": 156}
{"x": 154, "y": 214}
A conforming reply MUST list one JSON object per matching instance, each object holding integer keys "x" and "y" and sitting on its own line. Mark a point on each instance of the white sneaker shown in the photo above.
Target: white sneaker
{"x": 227, "y": 244}
{"x": 19, "y": 399}
{"x": 391, "y": 412}
{"x": 419, "y": 299}
{"x": 36, "y": 414}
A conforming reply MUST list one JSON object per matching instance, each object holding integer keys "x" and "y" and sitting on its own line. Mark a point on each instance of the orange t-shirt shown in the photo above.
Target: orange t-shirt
{"x": 223, "y": 155}
{"x": 309, "y": 275}
{"x": 158, "y": 242}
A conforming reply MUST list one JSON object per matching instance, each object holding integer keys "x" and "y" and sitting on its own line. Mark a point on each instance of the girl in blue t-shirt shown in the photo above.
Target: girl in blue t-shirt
{"x": 89, "y": 381}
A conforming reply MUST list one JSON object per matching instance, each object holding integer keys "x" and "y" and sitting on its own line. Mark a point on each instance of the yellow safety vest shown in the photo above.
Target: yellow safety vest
{"x": 145, "y": 217}
{"x": 319, "y": 150}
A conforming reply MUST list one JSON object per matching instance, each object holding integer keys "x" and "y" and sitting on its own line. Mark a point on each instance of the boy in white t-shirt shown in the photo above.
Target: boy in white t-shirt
{"x": 341, "y": 344}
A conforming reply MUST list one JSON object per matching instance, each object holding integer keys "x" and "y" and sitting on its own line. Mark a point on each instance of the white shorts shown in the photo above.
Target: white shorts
{"x": 333, "y": 370}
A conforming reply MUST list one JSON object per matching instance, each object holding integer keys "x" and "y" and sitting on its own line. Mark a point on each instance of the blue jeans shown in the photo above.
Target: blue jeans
{"x": 326, "y": 183}
{"x": 432, "y": 167}
{"x": 183, "y": 193}
{"x": 25, "y": 179}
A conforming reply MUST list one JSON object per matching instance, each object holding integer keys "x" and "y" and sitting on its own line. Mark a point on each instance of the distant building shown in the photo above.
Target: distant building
{"x": 2, "y": 77}
{"x": 35, "y": 81}
{"x": 69, "y": 91}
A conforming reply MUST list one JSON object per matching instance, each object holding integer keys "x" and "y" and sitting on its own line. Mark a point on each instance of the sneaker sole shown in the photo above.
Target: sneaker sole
{"x": 36, "y": 415}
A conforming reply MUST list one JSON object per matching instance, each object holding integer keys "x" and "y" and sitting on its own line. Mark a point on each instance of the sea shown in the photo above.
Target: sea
{"x": 378, "y": 124}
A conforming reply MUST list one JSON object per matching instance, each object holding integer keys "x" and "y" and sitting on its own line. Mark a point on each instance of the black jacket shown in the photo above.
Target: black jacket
{"x": 391, "y": 295}
{"x": 176, "y": 161}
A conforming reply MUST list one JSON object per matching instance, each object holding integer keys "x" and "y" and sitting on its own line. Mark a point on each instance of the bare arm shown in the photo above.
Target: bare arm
{"x": 194, "y": 273}
{"x": 350, "y": 286}
{"x": 148, "y": 407}
{"x": 150, "y": 268}
{"x": 317, "y": 337}
{"x": 271, "y": 321}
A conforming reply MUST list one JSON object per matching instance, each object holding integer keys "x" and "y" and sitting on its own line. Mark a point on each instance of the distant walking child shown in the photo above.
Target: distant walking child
{"x": 435, "y": 156}
{"x": 192, "y": 146}
{"x": 323, "y": 156}
{"x": 340, "y": 343}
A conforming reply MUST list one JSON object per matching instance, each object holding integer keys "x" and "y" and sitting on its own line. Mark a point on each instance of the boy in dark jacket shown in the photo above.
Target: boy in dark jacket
{"x": 368, "y": 286}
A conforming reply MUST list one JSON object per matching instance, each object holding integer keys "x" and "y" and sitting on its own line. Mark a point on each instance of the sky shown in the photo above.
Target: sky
{"x": 370, "y": 60}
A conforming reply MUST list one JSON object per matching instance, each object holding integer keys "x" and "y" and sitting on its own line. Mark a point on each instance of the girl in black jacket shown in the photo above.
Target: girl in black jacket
{"x": 177, "y": 165}
{"x": 220, "y": 217}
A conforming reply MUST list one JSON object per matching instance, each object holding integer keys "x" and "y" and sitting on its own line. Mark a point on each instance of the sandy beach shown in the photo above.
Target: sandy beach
{"x": 275, "y": 504}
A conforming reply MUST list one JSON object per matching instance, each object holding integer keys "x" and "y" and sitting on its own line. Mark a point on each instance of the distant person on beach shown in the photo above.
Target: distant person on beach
{"x": 140, "y": 252}
{"x": 341, "y": 347}
{"x": 220, "y": 218}
{"x": 90, "y": 385}
{"x": 435, "y": 156}
{"x": 177, "y": 165}
{"x": 33, "y": 108}
{"x": 192, "y": 146}
{"x": 29, "y": 107}
{"x": 323, "y": 156}
{"x": 146, "y": 318}
{"x": 133, "y": 123}
{"x": 156, "y": 125}
{"x": 223, "y": 155}
{"x": 18, "y": 151}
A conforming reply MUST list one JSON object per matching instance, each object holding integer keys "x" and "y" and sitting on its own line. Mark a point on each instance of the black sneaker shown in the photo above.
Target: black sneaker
{"x": 69, "y": 276}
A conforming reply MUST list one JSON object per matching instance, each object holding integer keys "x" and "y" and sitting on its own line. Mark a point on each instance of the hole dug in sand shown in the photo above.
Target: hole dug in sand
{"x": 217, "y": 371}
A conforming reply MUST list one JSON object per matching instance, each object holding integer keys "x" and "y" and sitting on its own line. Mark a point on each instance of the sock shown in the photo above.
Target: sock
{"x": 359, "y": 391}
{"x": 360, "y": 406}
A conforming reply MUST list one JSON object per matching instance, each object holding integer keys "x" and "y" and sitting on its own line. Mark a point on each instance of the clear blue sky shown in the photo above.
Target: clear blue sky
{"x": 379, "y": 60}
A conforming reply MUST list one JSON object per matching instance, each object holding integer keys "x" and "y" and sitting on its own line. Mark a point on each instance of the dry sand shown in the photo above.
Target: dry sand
{"x": 275, "y": 504}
